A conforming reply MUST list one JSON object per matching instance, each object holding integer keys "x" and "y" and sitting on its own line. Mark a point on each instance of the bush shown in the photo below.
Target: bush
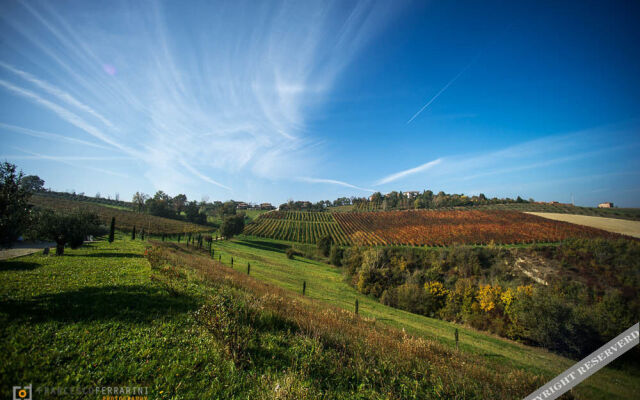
{"x": 291, "y": 253}
{"x": 335, "y": 256}
{"x": 324, "y": 245}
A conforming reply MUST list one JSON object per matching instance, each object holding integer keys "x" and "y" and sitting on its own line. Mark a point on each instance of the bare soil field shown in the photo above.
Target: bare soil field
{"x": 625, "y": 227}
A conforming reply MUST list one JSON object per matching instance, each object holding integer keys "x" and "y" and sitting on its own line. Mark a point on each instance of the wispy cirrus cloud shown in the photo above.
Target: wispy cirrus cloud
{"x": 204, "y": 96}
{"x": 50, "y": 136}
{"x": 333, "y": 182}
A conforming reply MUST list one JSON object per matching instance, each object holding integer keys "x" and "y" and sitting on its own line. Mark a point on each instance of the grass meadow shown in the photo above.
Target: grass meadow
{"x": 189, "y": 327}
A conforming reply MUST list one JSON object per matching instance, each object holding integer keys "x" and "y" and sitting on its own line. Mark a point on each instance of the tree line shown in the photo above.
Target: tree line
{"x": 590, "y": 291}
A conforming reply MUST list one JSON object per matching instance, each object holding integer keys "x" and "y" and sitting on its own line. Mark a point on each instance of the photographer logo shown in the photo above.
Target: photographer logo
{"x": 22, "y": 393}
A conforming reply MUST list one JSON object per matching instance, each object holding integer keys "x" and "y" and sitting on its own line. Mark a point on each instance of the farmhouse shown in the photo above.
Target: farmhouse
{"x": 605, "y": 205}
{"x": 411, "y": 194}
{"x": 242, "y": 205}
{"x": 266, "y": 206}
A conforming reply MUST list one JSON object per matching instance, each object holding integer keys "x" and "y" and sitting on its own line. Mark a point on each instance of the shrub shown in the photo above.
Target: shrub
{"x": 324, "y": 245}
{"x": 291, "y": 253}
{"x": 335, "y": 256}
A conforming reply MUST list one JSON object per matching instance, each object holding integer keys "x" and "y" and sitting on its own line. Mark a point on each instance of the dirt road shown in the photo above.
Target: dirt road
{"x": 625, "y": 227}
{"x": 23, "y": 249}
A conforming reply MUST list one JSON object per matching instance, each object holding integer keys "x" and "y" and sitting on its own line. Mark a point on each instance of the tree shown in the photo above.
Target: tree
{"x": 70, "y": 229}
{"x": 193, "y": 214}
{"x": 112, "y": 230}
{"x": 15, "y": 210}
{"x": 179, "y": 203}
{"x": 232, "y": 226}
{"x": 139, "y": 200}
{"x": 32, "y": 183}
{"x": 229, "y": 208}
{"x": 161, "y": 205}
{"x": 324, "y": 245}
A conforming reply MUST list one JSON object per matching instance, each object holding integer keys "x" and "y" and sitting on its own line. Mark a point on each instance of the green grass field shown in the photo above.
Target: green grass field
{"x": 326, "y": 283}
{"x": 100, "y": 315}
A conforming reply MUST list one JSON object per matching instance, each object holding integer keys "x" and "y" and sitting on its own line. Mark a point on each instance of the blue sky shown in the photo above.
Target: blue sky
{"x": 266, "y": 101}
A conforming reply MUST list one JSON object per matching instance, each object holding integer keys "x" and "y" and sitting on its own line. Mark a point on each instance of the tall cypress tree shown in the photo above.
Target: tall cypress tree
{"x": 112, "y": 230}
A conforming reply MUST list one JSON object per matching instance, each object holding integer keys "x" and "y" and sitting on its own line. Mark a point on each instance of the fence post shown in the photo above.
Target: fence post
{"x": 357, "y": 306}
{"x": 248, "y": 268}
{"x": 304, "y": 287}
{"x": 456, "y": 334}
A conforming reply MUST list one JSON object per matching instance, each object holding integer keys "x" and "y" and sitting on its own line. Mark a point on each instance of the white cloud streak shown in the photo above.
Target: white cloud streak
{"x": 333, "y": 182}
{"x": 60, "y": 94}
{"x": 407, "y": 172}
{"x": 50, "y": 136}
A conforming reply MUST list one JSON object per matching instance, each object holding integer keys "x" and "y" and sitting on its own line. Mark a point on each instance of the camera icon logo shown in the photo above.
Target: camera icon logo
{"x": 22, "y": 392}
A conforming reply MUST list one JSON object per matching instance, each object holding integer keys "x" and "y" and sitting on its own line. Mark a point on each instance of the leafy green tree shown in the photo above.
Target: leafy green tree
{"x": 14, "y": 204}
{"x": 179, "y": 203}
{"x": 229, "y": 208}
{"x": 70, "y": 229}
{"x": 324, "y": 245}
{"x": 232, "y": 225}
{"x": 193, "y": 214}
{"x": 32, "y": 183}
{"x": 335, "y": 256}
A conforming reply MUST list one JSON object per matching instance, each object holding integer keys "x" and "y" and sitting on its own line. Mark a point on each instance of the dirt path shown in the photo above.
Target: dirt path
{"x": 23, "y": 249}
{"x": 625, "y": 227}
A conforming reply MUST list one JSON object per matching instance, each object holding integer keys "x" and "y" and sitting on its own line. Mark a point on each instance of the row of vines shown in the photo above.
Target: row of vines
{"x": 418, "y": 227}
{"x": 125, "y": 220}
{"x": 297, "y": 226}
{"x": 444, "y": 228}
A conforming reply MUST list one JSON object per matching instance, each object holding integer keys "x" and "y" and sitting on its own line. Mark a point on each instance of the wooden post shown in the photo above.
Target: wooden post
{"x": 304, "y": 287}
{"x": 456, "y": 334}
{"x": 248, "y": 268}
{"x": 357, "y": 306}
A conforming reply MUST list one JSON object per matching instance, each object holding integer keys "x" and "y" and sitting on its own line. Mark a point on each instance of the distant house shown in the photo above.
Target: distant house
{"x": 266, "y": 206}
{"x": 242, "y": 205}
{"x": 605, "y": 205}
{"x": 411, "y": 194}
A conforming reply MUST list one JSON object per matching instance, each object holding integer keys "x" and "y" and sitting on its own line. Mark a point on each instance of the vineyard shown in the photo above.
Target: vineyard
{"x": 443, "y": 228}
{"x": 297, "y": 226}
{"x": 125, "y": 220}
{"x": 417, "y": 227}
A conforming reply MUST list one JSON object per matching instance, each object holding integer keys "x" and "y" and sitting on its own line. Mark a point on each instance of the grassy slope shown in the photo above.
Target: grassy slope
{"x": 324, "y": 282}
{"x": 125, "y": 219}
{"x": 94, "y": 318}
{"x": 100, "y": 316}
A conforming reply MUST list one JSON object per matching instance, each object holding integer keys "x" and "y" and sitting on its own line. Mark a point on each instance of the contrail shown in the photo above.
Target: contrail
{"x": 455, "y": 78}
{"x": 333, "y": 182}
{"x": 411, "y": 171}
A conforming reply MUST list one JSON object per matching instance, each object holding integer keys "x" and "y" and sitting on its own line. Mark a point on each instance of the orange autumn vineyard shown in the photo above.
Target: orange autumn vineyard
{"x": 417, "y": 227}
